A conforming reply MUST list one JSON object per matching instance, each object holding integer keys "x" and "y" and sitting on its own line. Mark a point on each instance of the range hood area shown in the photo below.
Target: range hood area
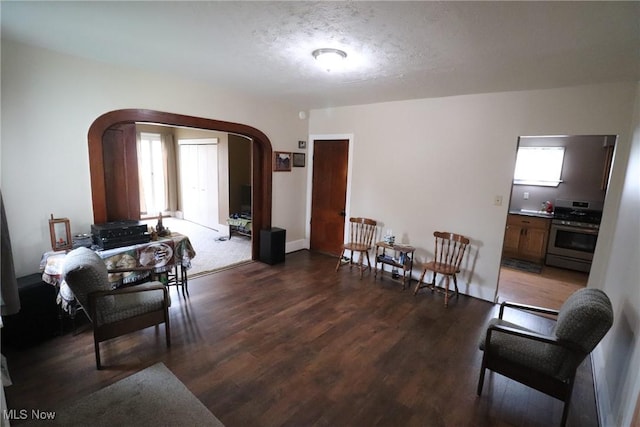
{"x": 585, "y": 171}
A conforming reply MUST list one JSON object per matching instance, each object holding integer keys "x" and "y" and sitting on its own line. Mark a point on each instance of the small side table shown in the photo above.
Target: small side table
{"x": 240, "y": 225}
{"x": 398, "y": 257}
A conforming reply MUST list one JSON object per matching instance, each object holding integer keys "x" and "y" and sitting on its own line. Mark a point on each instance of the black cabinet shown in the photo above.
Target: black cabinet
{"x": 272, "y": 243}
{"x": 38, "y": 318}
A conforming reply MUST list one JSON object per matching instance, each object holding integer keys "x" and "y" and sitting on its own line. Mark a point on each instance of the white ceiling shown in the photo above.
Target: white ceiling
{"x": 396, "y": 50}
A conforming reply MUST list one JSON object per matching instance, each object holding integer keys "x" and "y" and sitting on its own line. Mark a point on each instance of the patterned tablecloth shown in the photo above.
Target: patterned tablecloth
{"x": 161, "y": 255}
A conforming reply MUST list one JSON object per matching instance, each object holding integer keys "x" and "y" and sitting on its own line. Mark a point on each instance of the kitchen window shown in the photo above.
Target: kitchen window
{"x": 539, "y": 166}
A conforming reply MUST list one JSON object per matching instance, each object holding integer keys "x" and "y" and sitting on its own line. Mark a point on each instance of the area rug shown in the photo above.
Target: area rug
{"x": 151, "y": 397}
{"x": 214, "y": 251}
{"x": 518, "y": 264}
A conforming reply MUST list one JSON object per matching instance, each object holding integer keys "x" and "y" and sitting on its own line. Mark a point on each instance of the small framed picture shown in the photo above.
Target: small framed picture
{"x": 302, "y": 145}
{"x": 60, "y": 230}
{"x": 298, "y": 160}
{"x": 281, "y": 161}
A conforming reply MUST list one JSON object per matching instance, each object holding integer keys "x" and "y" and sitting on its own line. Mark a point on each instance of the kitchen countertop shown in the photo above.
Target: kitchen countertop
{"x": 527, "y": 212}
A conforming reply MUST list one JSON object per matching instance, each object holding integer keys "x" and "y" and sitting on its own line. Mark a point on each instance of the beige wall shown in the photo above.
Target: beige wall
{"x": 437, "y": 164}
{"x": 48, "y": 103}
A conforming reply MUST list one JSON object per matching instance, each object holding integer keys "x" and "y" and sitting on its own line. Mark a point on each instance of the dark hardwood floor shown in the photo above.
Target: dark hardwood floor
{"x": 299, "y": 344}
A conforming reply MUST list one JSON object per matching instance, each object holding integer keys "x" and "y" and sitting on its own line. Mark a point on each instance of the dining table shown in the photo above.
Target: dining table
{"x": 165, "y": 259}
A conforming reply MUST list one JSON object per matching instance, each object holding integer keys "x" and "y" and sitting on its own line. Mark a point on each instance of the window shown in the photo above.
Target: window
{"x": 539, "y": 166}
{"x": 151, "y": 168}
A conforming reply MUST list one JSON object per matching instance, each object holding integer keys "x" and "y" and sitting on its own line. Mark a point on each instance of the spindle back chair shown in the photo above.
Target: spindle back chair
{"x": 449, "y": 251}
{"x": 361, "y": 234}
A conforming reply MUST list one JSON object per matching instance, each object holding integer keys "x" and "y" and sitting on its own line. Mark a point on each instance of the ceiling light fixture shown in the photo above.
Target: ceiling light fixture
{"x": 329, "y": 58}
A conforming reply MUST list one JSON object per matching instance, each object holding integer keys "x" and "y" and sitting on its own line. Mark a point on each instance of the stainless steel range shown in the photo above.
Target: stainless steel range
{"x": 573, "y": 234}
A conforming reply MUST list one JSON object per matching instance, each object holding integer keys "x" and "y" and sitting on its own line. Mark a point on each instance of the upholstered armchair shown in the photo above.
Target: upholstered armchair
{"x": 547, "y": 363}
{"x": 113, "y": 312}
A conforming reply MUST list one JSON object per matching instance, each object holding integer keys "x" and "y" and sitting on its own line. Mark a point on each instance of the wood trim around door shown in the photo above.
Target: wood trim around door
{"x": 261, "y": 160}
{"x": 329, "y": 184}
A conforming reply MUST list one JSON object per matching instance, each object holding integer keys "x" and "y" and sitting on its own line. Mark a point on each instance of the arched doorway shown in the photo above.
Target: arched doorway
{"x": 261, "y": 160}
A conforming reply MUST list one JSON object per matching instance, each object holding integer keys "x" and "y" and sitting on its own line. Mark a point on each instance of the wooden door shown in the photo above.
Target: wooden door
{"x": 329, "y": 195}
{"x": 120, "y": 157}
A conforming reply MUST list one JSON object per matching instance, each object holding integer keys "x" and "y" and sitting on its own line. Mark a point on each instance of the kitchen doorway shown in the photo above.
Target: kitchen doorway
{"x": 585, "y": 171}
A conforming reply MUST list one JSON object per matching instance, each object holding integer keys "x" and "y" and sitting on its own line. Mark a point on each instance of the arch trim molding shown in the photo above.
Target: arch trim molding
{"x": 261, "y": 160}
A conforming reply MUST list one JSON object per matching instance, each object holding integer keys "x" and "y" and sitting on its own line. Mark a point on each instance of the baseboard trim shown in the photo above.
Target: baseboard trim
{"x": 294, "y": 246}
{"x": 601, "y": 388}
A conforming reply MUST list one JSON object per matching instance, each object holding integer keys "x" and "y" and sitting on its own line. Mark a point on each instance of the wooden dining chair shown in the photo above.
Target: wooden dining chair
{"x": 361, "y": 233}
{"x": 449, "y": 251}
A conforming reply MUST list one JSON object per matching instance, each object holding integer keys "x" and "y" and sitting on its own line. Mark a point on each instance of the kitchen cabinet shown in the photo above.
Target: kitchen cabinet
{"x": 526, "y": 237}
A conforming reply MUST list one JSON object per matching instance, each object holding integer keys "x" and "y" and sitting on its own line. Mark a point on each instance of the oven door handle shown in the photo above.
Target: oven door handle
{"x": 576, "y": 230}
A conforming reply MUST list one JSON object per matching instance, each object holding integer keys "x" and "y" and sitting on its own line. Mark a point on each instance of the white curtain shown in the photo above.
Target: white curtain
{"x": 141, "y": 173}
{"x": 157, "y": 173}
{"x": 170, "y": 172}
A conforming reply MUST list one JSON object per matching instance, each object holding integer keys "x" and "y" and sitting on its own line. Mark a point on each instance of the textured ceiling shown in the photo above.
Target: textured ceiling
{"x": 396, "y": 50}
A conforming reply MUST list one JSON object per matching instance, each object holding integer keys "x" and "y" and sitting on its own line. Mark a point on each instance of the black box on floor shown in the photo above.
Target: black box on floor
{"x": 37, "y": 319}
{"x": 272, "y": 244}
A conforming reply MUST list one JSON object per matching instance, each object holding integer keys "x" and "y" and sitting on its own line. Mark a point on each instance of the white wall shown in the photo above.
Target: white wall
{"x": 437, "y": 164}
{"x": 618, "y": 358}
{"x": 48, "y": 104}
